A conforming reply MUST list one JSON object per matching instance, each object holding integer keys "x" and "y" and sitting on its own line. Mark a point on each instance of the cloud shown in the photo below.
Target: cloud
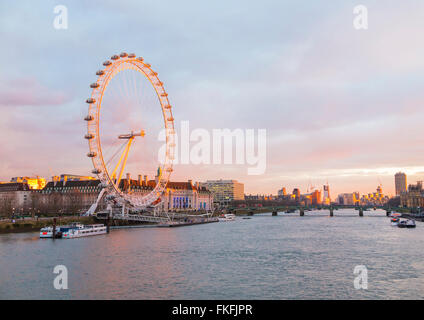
{"x": 28, "y": 91}
{"x": 330, "y": 97}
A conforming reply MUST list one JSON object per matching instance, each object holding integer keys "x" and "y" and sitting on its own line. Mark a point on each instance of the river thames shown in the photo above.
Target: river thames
{"x": 284, "y": 257}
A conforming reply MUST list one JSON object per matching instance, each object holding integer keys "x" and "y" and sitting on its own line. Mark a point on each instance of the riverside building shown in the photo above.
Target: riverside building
{"x": 225, "y": 191}
{"x": 75, "y": 195}
{"x": 400, "y": 183}
{"x": 414, "y": 197}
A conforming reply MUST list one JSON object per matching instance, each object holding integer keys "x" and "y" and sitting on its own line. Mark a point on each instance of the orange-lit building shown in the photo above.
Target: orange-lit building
{"x": 326, "y": 197}
{"x": 296, "y": 194}
{"x": 313, "y": 198}
{"x": 282, "y": 192}
{"x": 72, "y": 177}
{"x": 349, "y": 199}
{"x": 376, "y": 198}
{"x": 34, "y": 183}
{"x": 316, "y": 197}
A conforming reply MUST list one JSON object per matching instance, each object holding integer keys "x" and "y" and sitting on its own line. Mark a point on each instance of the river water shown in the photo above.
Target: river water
{"x": 284, "y": 257}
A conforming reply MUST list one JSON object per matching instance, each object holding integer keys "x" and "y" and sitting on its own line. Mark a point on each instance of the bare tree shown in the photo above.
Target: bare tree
{"x": 73, "y": 200}
{"x": 55, "y": 203}
{"x": 6, "y": 208}
{"x": 35, "y": 203}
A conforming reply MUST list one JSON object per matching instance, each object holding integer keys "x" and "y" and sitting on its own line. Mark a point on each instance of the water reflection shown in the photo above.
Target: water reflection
{"x": 261, "y": 258}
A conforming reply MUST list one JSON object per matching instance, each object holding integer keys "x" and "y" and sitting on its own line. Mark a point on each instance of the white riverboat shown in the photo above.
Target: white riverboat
{"x": 74, "y": 230}
{"x": 227, "y": 217}
{"x": 78, "y": 230}
{"x": 46, "y": 232}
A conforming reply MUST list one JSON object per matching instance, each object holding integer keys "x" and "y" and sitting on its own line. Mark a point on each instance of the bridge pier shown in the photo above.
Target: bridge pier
{"x": 361, "y": 212}
{"x": 108, "y": 222}
{"x": 301, "y": 212}
{"x": 54, "y": 228}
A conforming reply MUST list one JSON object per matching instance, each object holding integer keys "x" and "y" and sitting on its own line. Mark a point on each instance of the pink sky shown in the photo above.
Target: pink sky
{"x": 339, "y": 105}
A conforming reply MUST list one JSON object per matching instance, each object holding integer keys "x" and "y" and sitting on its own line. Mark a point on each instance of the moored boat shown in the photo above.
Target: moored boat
{"x": 406, "y": 224}
{"x": 394, "y": 221}
{"x": 227, "y": 217}
{"x": 73, "y": 230}
{"x": 77, "y": 230}
{"x": 47, "y": 232}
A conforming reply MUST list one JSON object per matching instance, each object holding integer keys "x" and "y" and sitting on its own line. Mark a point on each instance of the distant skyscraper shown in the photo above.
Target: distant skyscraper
{"x": 326, "y": 198}
{"x": 348, "y": 198}
{"x": 296, "y": 193}
{"x": 400, "y": 183}
{"x": 316, "y": 197}
{"x": 282, "y": 192}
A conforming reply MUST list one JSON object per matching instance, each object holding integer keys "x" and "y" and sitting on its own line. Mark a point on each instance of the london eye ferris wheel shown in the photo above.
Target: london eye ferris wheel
{"x": 115, "y": 126}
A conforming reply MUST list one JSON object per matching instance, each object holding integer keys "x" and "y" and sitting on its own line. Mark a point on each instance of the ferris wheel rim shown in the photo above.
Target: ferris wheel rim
{"x": 112, "y": 68}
